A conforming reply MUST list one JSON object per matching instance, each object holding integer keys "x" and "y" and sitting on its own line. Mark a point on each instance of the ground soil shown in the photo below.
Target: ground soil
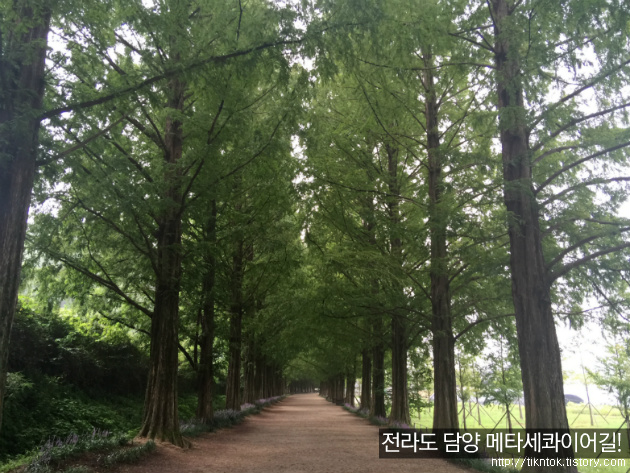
{"x": 302, "y": 434}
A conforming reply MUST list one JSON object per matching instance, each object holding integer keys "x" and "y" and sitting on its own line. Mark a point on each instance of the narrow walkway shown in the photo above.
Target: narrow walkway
{"x": 302, "y": 434}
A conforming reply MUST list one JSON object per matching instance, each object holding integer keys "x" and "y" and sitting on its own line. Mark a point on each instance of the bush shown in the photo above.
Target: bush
{"x": 226, "y": 417}
{"x": 56, "y": 450}
{"x": 50, "y": 345}
{"x": 39, "y": 409}
{"x": 63, "y": 380}
{"x": 128, "y": 455}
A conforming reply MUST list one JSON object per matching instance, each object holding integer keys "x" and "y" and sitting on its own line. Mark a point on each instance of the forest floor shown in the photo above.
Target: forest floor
{"x": 302, "y": 434}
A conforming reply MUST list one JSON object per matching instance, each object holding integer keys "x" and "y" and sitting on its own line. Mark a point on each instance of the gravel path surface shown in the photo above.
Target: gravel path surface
{"x": 302, "y": 434}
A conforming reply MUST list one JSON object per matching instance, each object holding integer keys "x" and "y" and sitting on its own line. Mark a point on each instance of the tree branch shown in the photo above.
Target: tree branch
{"x": 480, "y": 321}
{"x": 584, "y": 241}
{"x": 79, "y": 145}
{"x": 578, "y": 162}
{"x": 593, "y": 82}
{"x": 592, "y": 182}
{"x": 578, "y": 120}
{"x": 165, "y": 75}
{"x": 568, "y": 267}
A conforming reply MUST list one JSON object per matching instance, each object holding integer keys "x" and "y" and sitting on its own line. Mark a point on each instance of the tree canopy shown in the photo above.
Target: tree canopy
{"x": 272, "y": 194}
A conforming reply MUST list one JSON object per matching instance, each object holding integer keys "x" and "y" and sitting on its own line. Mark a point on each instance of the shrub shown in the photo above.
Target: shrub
{"x": 128, "y": 455}
{"x": 55, "y": 450}
{"x": 225, "y": 417}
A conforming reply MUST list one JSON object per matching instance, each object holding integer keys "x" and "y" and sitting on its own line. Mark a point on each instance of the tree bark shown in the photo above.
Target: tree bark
{"x": 541, "y": 368}
{"x": 160, "y": 411}
{"x": 249, "y": 370}
{"x": 259, "y": 379}
{"x": 367, "y": 398}
{"x": 22, "y": 70}
{"x": 366, "y": 379}
{"x": 377, "y": 404}
{"x": 462, "y": 393}
{"x": 233, "y": 388}
{"x": 339, "y": 383}
{"x": 249, "y": 390}
{"x": 350, "y": 382}
{"x": 378, "y": 369}
{"x": 445, "y": 387}
{"x": 400, "y": 398}
{"x": 205, "y": 368}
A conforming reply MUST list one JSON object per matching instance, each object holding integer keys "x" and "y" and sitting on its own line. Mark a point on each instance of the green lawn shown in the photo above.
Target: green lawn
{"x": 492, "y": 415}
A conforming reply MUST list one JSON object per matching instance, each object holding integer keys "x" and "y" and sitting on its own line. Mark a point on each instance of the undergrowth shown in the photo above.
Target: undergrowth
{"x": 55, "y": 451}
{"x": 127, "y": 455}
{"x": 225, "y": 417}
{"x": 364, "y": 413}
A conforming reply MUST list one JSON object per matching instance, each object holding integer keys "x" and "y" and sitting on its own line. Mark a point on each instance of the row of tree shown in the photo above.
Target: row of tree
{"x": 356, "y": 187}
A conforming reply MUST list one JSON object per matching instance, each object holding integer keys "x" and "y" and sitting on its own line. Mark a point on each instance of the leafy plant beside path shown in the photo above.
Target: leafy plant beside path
{"x": 226, "y": 417}
{"x": 62, "y": 454}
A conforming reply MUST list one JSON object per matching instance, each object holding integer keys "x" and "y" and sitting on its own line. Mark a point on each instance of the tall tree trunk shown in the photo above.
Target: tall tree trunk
{"x": 508, "y": 414}
{"x": 249, "y": 358}
{"x": 367, "y": 398}
{"x": 233, "y": 388}
{"x": 259, "y": 378}
{"x": 462, "y": 393}
{"x": 351, "y": 379}
{"x": 22, "y": 61}
{"x": 249, "y": 390}
{"x": 541, "y": 368}
{"x": 160, "y": 412}
{"x": 205, "y": 369}
{"x": 377, "y": 404}
{"x": 366, "y": 379}
{"x": 445, "y": 386}
{"x": 339, "y": 382}
{"x": 400, "y": 397}
{"x": 378, "y": 369}
{"x": 268, "y": 380}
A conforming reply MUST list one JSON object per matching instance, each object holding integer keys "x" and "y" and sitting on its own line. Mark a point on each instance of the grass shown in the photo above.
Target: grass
{"x": 491, "y": 416}
{"x": 604, "y": 417}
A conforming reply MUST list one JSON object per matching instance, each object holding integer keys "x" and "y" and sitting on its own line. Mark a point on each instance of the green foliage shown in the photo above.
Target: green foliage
{"x": 502, "y": 377}
{"x": 614, "y": 376}
{"x": 84, "y": 353}
{"x": 299, "y": 167}
{"x": 65, "y": 381}
{"x": 128, "y": 455}
{"x": 50, "y": 408}
{"x": 57, "y": 450}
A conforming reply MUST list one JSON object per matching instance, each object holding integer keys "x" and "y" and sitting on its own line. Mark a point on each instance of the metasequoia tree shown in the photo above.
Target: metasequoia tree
{"x": 147, "y": 213}
{"x": 428, "y": 119}
{"x": 543, "y": 145}
{"x": 24, "y": 29}
{"x": 92, "y": 42}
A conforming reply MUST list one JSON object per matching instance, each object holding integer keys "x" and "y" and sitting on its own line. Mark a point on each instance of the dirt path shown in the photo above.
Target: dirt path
{"x": 302, "y": 434}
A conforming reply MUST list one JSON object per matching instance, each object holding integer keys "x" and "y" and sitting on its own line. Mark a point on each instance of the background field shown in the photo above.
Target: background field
{"x": 493, "y": 415}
